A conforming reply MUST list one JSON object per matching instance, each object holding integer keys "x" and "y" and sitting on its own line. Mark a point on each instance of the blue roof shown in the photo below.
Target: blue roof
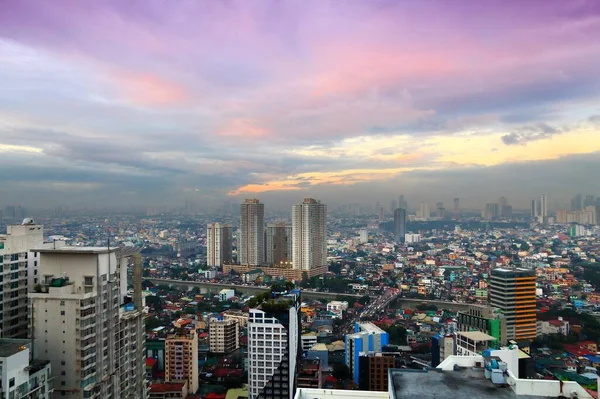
{"x": 592, "y": 358}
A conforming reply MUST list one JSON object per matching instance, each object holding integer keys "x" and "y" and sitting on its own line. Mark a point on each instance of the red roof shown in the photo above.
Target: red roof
{"x": 213, "y": 395}
{"x": 150, "y": 362}
{"x": 167, "y": 387}
{"x": 223, "y": 372}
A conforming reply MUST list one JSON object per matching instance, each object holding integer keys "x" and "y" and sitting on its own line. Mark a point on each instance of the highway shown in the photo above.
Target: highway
{"x": 247, "y": 289}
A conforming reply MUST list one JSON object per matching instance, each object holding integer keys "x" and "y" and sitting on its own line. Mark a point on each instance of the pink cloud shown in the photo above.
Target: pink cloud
{"x": 242, "y": 128}
{"x": 151, "y": 89}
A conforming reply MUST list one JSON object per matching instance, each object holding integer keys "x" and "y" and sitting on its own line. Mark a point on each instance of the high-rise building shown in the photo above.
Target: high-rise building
{"x": 21, "y": 272}
{"x": 513, "y": 291}
{"x": 423, "y": 212}
{"x": 22, "y": 375}
{"x": 543, "y": 207}
{"x": 86, "y": 325}
{"x": 589, "y": 201}
{"x": 278, "y": 243}
{"x": 440, "y": 210}
{"x": 223, "y": 335}
{"x": 367, "y": 337}
{"x": 309, "y": 235}
{"x": 181, "y": 363}
{"x": 402, "y": 202}
{"x": 393, "y": 206}
{"x": 399, "y": 224}
{"x": 218, "y": 244}
{"x": 491, "y": 211}
{"x": 535, "y": 209}
{"x": 486, "y": 319}
{"x": 456, "y": 208}
{"x": 274, "y": 347}
{"x": 251, "y": 245}
{"x": 375, "y": 367}
{"x": 381, "y": 213}
{"x": 577, "y": 203}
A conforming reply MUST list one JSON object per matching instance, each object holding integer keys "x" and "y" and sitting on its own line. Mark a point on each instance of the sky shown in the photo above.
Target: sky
{"x": 157, "y": 101}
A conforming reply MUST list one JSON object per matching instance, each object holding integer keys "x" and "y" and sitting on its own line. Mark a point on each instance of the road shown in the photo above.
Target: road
{"x": 248, "y": 289}
{"x": 374, "y": 307}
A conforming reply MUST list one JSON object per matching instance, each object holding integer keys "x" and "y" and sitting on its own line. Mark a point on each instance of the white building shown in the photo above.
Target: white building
{"x": 251, "y": 240}
{"x": 309, "y": 235}
{"x": 223, "y": 334}
{"x": 218, "y": 244}
{"x": 21, "y": 377}
{"x": 412, "y": 238}
{"x": 94, "y": 343}
{"x": 273, "y": 334}
{"x": 363, "y": 235}
{"x": 337, "y": 307}
{"x": 20, "y": 266}
{"x": 226, "y": 294}
{"x": 307, "y": 341}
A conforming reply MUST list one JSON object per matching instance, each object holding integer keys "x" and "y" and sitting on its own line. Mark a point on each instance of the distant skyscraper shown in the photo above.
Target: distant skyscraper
{"x": 504, "y": 209}
{"x": 251, "y": 246}
{"x": 513, "y": 291}
{"x": 543, "y": 206}
{"x": 399, "y": 224}
{"x": 274, "y": 347}
{"x": 381, "y": 213}
{"x": 577, "y": 203}
{"x": 424, "y": 212}
{"x": 402, "y": 202}
{"x": 393, "y": 206}
{"x": 589, "y": 201}
{"x": 535, "y": 209}
{"x": 218, "y": 244}
{"x": 278, "y": 243}
{"x": 491, "y": 211}
{"x": 309, "y": 234}
{"x": 440, "y": 210}
{"x": 456, "y": 208}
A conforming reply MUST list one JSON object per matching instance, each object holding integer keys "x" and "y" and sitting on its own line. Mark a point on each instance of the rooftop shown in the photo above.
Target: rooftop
{"x": 77, "y": 250}
{"x": 167, "y": 387}
{"x": 9, "y": 347}
{"x": 465, "y": 383}
{"x": 370, "y": 328}
{"x": 476, "y": 336}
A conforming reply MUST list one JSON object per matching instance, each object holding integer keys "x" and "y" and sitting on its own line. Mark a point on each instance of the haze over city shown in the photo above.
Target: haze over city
{"x": 154, "y": 102}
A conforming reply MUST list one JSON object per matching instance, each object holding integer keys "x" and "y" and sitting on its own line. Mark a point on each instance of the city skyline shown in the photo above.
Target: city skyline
{"x": 154, "y": 103}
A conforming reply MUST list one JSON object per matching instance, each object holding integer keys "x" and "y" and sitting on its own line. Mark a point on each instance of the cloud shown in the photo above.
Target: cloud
{"x": 541, "y": 131}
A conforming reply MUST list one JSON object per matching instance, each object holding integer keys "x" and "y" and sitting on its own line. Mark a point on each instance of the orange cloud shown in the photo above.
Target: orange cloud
{"x": 242, "y": 128}
{"x": 150, "y": 89}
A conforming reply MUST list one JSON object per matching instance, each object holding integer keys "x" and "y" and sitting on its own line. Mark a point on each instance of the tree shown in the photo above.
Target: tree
{"x": 152, "y": 323}
{"x": 154, "y": 302}
{"x": 341, "y": 372}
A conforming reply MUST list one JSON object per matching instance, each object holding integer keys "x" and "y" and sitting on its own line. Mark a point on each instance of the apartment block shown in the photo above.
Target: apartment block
{"x": 224, "y": 335}
{"x": 181, "y": 363}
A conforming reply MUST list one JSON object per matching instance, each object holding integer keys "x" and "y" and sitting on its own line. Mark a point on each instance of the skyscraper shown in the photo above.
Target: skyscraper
{"x": 88, "y": 328}
{"x": 535, "y": 209}
{"x": 543, "y": 207}
{"x": 589, "y": 201}
{"x": 399, "y": 224}
{"x": 21, "y": 268}
{"x": 440, "y": 210}
{"x": 577, "y": 203}
{"x": 278, "y": 243}
{"x": 402, "y": 202}
{"x": 309, "y": 235}
{"x": 423, "y": 212}
{"x": 456, "y": 208}
{"x": 274, "y": 347}
{"x": 181, "y": 363}
{"x": 251, "y": 242}
{"x": 218, "y": 244}
{"x": 513, "y": 291}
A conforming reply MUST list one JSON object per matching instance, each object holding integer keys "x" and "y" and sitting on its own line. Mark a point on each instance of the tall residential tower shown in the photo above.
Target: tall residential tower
{"x": 309, "y": 235}
{"x": 218, "y": 244}
{"x": 278, "y": 243}
{"x": 251, "y": 242}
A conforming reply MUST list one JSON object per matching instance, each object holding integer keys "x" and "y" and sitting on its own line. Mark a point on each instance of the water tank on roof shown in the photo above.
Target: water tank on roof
{"x": 28, "y": 221}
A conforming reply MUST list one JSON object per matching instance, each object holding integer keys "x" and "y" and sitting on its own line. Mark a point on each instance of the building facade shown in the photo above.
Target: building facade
{"x": 278, "y": 243}
{"x": 251, "y": 240}
{"x": 513, "y": 291}
{"x": 399, "y": 224}
{"x": 219, "y": 239}
{"x": 486, "y": 319}
{"x": 21, "y": 376}
{"x": 84, "y": 324}
{"x": 20, "y": 265}
{"x": 374, "y": 368}
{"x": 224, "y": 335}
{"x": 181, "y": 363}
{"x": 309, "y": 235}
{"x": 367, "y": 337}
{"x": 274, "y": 347}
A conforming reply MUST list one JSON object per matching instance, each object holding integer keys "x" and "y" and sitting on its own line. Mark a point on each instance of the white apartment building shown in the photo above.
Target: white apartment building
{"x": 94, "y": 344}
{"x": 21, "y": 377}
{"x": 251, "y": 240}
{"x": 307, "y": 341}
{"x": 412, "y": 238}
{"x": 218, "y": 244}
{"x": 223, "y": 334}
{"x": 309, "y": 235}
{"x": 20, "y": 266}
{"x": 239, "y": 316}
{"x": 181, "y": 363}
{"x": 273, "y": 348}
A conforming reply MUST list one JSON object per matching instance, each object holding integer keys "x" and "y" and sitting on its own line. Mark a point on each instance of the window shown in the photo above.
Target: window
{"x": 11, "y": 383}
{"x": 62, "y": 312}
{"x": 88, "y": 280}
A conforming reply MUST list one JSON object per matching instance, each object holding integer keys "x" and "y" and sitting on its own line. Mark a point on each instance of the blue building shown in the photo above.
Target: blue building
{"x": 367, "y": 337}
